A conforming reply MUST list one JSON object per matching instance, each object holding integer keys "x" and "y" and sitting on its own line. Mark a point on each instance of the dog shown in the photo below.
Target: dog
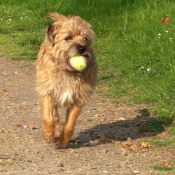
{"x": 57, "y": 84}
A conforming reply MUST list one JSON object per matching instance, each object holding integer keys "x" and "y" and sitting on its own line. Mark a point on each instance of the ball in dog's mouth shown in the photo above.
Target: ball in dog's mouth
{"x": 78, "y": 63}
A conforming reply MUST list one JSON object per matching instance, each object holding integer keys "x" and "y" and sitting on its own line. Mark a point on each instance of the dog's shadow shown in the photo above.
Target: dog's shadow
{"x": 143, "y": 125}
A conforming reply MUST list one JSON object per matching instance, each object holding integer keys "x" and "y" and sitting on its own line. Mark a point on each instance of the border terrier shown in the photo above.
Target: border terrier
{"x": 57, "y": 84}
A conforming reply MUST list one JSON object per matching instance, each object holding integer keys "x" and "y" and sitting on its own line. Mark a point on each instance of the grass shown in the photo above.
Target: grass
{"x": 135, "y": 52}
{"x": 163, "y": 168}
{"x": 6, "y": 162}
{"x": 160, "y": 141}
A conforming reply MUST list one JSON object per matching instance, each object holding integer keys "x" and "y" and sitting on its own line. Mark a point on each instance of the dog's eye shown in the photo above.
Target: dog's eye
{"x": 68, "y": 38}
{"x": 85, "y": 38}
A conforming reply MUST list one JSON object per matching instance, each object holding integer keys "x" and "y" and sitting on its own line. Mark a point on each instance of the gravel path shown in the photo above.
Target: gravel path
{"x": 106, "y": 138}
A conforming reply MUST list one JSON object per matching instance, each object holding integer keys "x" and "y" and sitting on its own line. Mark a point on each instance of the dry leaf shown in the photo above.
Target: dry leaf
{"x": 165, "y": 20}
{"x": 98, "y": 137}
{"x": 143, "y": 145}
{"x": 112, "y": 141}
{"x": 19, "y": 125}
{"x": 127, "y": 144}
{"x": 4, "y": 90}
{"x": 73, "y": 140}
{"x": 165, "y": 163}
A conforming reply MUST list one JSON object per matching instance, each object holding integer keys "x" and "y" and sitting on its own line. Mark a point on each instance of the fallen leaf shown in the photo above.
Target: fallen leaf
{"x": 127, "y": 144}
{"x": 19, "y": 125}
{"x": 112, "y": 141}
{"x": 4, "y": 90}
{"x": 98, "y": 137}
{"x": 165, "y": 163}
{"x": 143, "y": 145}
{"x": 165, "y": 20}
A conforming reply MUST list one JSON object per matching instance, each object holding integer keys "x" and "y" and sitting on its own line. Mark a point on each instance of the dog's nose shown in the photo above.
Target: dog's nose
{"x": 81, "y": 49}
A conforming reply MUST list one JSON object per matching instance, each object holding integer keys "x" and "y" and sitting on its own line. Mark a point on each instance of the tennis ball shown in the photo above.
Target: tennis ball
{"x": 77, "y": 63}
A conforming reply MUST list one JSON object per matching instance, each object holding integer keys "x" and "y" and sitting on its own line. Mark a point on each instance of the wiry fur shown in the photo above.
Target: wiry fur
{"x": 57, "y": 84}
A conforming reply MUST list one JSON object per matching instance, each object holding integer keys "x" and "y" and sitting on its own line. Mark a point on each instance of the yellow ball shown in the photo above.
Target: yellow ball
{"x": 77, "y": 63}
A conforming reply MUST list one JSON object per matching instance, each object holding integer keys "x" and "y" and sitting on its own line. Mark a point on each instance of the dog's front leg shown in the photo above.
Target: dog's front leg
{"x": 50, "y": 117}
{"x": 66, "y": 134}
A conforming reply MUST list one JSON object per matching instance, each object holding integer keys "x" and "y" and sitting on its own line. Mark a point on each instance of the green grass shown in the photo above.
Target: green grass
{"x": 160, "y": 141}
{"x": 163, "y": 168}
{"x": 136, "y": 63}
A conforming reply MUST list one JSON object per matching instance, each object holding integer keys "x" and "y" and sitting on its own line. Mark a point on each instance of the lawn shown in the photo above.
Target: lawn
{"x": 135, "y": 52}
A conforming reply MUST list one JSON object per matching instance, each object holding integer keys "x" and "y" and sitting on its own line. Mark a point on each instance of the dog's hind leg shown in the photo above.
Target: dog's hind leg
{"x": 66, "y": 134}
{"x": 50, "y": 118}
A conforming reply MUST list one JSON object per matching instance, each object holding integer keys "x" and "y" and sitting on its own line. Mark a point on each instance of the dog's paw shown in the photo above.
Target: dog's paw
{"x": 51, "y": 135}
{"x": 48, "y": 137}
{"x": 55, "y": 139}
{"x": 51, "y": 138}
{"x": 63, "y": 143}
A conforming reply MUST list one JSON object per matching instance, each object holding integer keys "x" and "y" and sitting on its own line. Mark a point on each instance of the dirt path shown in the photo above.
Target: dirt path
{"x": 100, "y": 146}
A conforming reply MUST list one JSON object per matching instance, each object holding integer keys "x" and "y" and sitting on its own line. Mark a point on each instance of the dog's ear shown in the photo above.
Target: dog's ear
{"x": 51, "y": 28}
{"x": 56, "y": 17}
{"x": 51, "y": 32}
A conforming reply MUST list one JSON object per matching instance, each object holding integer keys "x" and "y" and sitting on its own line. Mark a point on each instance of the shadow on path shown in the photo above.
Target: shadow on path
{"x": 143, "y": 125}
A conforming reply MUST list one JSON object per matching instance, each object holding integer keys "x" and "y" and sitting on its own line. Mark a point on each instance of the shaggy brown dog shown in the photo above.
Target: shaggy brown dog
{"x": 57, "y": 84}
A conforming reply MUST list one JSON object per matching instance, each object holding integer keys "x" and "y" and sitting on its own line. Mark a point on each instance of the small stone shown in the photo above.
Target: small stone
{"x": 60, "y": 164}
{"x": 122, "y": 119}
{"x": 94, "y": 167}
{"x": 124, "y": 153}
{"x": 136, "y": 172}
{"x": 106, "y": 151}
{"x": 105, "y": 171}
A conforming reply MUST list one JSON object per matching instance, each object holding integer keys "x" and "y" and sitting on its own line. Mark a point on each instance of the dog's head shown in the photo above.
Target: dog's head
{"x": 69, "y": 36}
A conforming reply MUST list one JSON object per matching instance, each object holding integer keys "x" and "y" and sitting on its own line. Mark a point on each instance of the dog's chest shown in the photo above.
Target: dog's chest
{"x": 66, "y": 97}
{"x": 68, "y": 90}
